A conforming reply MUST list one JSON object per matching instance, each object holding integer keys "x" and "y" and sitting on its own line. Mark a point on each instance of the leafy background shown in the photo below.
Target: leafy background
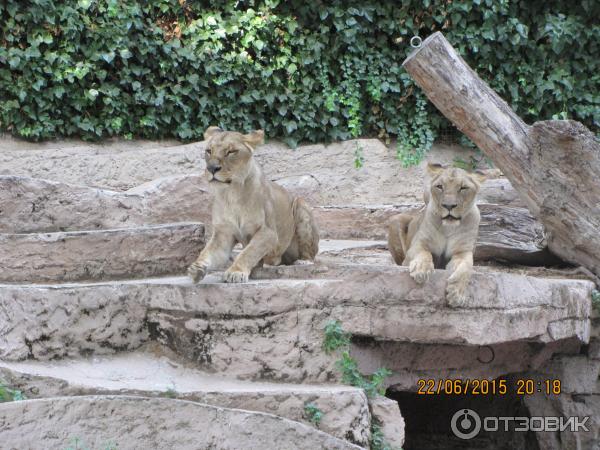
{"x": 303, "y": 71}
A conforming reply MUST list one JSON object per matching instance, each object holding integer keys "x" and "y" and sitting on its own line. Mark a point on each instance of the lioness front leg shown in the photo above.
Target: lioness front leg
{"x": 397, "y": 236}
{"x": 261, "y": 244}
{"x": 461, "y": 266}
{"x": 420, "y": 266}
{"x": 216, "y": 253}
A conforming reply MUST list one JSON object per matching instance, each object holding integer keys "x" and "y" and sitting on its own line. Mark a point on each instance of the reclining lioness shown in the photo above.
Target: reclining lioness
{"x": 443, "y": 234}
{"x": 273, "y": 227}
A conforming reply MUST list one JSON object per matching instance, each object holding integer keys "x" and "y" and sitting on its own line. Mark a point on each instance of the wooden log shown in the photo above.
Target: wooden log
{"x": 553, "y": 165}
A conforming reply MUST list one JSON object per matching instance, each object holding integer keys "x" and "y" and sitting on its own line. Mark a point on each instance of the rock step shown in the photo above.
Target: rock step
{"x": 118, "y": 170}
{"x": 100, "y": 254}
{"x": 345, "y": 409}
{"x": 308, "y": 169}
{"x": 136, "y": 422}
{"x": 507, "y": 233}
{"x": 31, "y": 205}
{"x": 273, "y": 328}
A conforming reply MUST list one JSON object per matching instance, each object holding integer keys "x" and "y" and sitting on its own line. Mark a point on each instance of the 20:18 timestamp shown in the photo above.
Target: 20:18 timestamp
{"x": 521, "y": 386}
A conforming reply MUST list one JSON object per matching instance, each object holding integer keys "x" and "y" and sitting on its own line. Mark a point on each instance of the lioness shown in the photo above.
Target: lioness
{"x": 443, "y": 234}
{"x": 272, "y": 226}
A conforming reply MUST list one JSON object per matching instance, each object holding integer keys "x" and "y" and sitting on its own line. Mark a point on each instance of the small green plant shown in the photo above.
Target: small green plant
{"x": 335, "y": 339}
{"x": 313, "y": 413}
{"x": 359, "y": 159}
{"x": 378, "y": 441}
{"x": 10, "y": 395}
{"x": 171, "y": 392}
{"x": 373, "y": 384}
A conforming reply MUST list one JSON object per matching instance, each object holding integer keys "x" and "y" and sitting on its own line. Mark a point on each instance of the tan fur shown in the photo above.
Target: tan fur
{"x": 272, "y": 226}
{"x": 443, "y": 233}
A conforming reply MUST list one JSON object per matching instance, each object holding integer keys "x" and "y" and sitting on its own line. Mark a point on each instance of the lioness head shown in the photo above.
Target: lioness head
{"x": 228, "y": 154}
{"x": 452, "y": 192}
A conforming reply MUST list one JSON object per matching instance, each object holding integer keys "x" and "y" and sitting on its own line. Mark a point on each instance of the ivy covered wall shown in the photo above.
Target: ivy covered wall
{"x": 302, "y": 70}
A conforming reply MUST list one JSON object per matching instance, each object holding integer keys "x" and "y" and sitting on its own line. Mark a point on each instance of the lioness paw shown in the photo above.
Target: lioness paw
{"x": 455, "y": 290}
{"x": 233, "y": 276}
{"x": 420, "y": 270}
{"x": 196, "y": 272}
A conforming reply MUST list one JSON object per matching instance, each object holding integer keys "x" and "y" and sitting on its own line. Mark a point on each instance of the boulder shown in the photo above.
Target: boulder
{"x": 273, "y": 329}
{"x": 144, "y": 251}
{"x": 161, "y": 423}
{"x": 345, "y": 410}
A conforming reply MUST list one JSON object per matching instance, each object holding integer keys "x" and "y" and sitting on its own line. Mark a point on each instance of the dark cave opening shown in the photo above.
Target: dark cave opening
{"x": 428, "y": 421}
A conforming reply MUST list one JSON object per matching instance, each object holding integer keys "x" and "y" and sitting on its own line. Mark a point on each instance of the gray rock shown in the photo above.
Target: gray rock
{"x": 34, "y": 205}
{"x": 102, "y": 254}
{"x": 158, "y": 423}
{"x": 90, "y": 166}
{"x": 386, "y": 413}
{"x": 577, "y": 373}
{"x": 273, "y": 329}
{"x": 31, "y": 205}
{"x": 152, "y": 374}
{"x": 325, "y": 174}
{"x": 565, "y": 406}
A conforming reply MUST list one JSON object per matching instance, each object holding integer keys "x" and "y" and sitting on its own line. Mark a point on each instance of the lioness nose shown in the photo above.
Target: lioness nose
{"x": 213, "y": 168}
{"x": 449, "y": 206}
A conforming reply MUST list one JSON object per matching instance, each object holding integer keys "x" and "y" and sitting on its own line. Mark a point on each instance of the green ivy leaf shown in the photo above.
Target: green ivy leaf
{"x": 241, "y": 66}
{"x": 108, "y": 57}
{"x": 124, "y": 53}
{"x": 84, "y": 4}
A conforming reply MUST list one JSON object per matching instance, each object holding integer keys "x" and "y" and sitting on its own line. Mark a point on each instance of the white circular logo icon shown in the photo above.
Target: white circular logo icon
{"x": 465, "y": 424}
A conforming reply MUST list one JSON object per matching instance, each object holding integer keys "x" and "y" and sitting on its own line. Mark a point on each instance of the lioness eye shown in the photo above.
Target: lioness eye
{"x": 440, "y": 187}
{"x": 231, "y": 152}
{"x": 464, "y": 188}
{"x": 208, "y": 151}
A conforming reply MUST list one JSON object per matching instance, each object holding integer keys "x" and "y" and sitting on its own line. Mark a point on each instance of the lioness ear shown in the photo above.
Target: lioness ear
{"x": 254, "y": 138}
{"x": 211, "y": 131}
{"x": 434, "y": 169}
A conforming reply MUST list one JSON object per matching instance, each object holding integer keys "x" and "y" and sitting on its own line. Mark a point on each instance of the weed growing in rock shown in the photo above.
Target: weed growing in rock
{"x": 359, "y": 159}
{"x": 378, "y": 441}
{"x": 10, "y": 395}
{"x": 313, "y": 414}
{"x": 371, "y": 384}
{"x": 336, "y": 338}
{"x": 171, "y": 392}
